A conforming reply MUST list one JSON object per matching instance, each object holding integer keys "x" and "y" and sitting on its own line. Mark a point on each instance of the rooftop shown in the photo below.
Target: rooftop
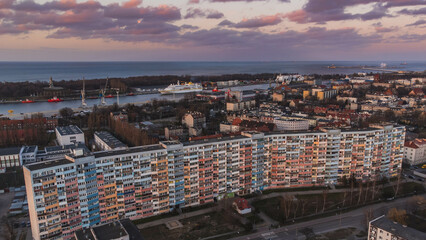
{"x": 66, "y": 148}
{"x": 10, "y": 151}
{"x": 397, "y": 229}
{"x": 110, "y": 140}
{"x": 47, "y": 164}
{"x": 212, "y": 140}
{"x": 69, "y": 130}
{"x": 29, "y": 149}
{"x": 128, "y": 150}
{"x": 112, "y": 230}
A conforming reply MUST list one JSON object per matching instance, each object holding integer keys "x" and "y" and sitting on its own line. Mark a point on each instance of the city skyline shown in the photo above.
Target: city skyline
{"x": 212, "y": 30}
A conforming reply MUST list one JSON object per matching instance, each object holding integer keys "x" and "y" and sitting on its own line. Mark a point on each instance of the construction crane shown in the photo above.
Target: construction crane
{"x": 103, "y": 91}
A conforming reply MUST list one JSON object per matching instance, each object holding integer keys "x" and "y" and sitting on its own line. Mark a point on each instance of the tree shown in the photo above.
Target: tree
{"x": 324, "y": 198}
{"x": 398, "y": 215}
{"x": 66, "y": 113}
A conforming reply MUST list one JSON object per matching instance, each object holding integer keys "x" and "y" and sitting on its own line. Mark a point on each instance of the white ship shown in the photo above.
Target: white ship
{"x": 182, "y": 88}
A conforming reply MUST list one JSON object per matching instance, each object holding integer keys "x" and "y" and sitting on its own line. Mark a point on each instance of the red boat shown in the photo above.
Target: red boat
{"x": 109, "y": 96}
{"x": 131, "y": 94}
{"x": 55, "y": 99}
{"x": 28, "y": 101}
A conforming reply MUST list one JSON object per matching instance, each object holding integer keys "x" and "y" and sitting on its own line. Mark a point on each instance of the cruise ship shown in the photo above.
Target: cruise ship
{"x": 182, "y": 88}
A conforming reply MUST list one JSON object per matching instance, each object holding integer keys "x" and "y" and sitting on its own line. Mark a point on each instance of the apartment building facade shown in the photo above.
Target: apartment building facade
{"x": 149, "y": 180}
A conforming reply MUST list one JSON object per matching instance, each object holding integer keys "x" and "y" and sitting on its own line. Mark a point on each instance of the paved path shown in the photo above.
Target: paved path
{"x": 179, "y": 217}
{"x": 353, "y": 218}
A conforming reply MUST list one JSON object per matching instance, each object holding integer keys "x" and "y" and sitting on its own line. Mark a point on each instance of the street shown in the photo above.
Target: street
{"x": 353, "y": 218}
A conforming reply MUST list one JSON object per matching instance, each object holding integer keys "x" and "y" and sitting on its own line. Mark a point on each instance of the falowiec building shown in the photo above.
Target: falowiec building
{"x": 86, "y": 189}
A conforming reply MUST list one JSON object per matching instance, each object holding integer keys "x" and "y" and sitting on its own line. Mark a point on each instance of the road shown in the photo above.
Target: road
{"x": 353, "y": 218}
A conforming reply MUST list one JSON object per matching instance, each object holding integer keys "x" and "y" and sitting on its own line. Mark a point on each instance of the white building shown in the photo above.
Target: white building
{"x": 28, "y": 154}
{"x": 105, "y": 141}
{"x": 383, "y": 228}
{"x": 69, "y": 135}
{"x": 415, "y": 152}
{"x": 9, "y": 157}
{"x": 291, "y": 124}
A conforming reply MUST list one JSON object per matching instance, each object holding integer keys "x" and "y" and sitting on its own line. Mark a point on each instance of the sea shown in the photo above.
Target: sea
{"x": 42, "y": 71}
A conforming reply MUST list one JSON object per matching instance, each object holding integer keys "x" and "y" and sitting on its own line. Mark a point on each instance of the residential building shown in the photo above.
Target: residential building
{"x": 28, "y": 154}
{"x": 86, "y": 189}
{"x": 415, "y": 152}
{"x": 105, "y": 141}
{"x": 383, "y": 228}
{"x": 278, "y": 96}
{"x": 69, "y": 135}
{"x": 291, "y": 124}
{"x": 194, "y": 120}
{"x": 174, "y": 132}
{"x": 238, "y": 106}
{"x": 18, "y": 132}
{"x": 242, "y": 206}
{"x": 9, "y": 157}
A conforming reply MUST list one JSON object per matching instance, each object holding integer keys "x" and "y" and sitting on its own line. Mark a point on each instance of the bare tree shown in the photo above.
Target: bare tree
{"x": 366, "y": 192}
{"x": 359, "y": 193}
{"x": 398, "y": 182}
{"x": 324, "y": 196}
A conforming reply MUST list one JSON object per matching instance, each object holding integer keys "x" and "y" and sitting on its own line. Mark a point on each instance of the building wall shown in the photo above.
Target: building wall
{"x": 12, "y": 160}
{"x": 69, "y": 139}
{"x": 291, "y": 125}
{"x": 415, "y": 156}
{"x": 142, "y": 183}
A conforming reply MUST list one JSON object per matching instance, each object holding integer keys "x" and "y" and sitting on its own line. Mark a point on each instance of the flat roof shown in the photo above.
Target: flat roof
{"x": 128, "y": 150}
{"x": 69, "y": 130}
{"x": 10, "y": 151}
{"x": 131, "y": 229}
{"x": 84, "y": 234}
{"x": 48, "y": 164}
{"x": 29, "y": 149}
{"x": 112, "y": 230}
{"x": 395, "y": 228}
{"x": 110, "y": 140}
{"x": 66, "y": 147}
{"x": 212, "y": 140}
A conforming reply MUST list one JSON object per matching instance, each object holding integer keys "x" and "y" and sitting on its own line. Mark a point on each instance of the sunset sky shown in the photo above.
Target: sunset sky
{"x": 212, "y": 30}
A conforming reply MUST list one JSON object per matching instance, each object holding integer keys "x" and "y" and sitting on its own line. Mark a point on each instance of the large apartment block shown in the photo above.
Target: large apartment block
{"x": 86, "y": 189}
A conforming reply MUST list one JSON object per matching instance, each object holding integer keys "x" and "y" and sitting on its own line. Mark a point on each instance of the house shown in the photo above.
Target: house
{"x": 416, "y": 92}
{"x": 415, "y": 152}
{"x": 194, "y": 120}
{"x": 242, "y": 206}
{"x": 121, "y": 116}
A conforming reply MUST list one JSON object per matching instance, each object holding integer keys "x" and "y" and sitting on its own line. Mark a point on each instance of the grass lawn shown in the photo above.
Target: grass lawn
{"x": 344, "y": 233}
{"x": 416, "y": 223}
{"x": 206, "y": 225}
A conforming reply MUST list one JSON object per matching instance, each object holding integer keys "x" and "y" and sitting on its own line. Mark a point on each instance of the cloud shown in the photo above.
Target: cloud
{"x": 420, "y": 11}
{"x": 257, "y": 22}
{"x": 320, "y": 11}
{"x": 417, "y": 23}
{"x": 200, "y": 13}
{"x": 128, "y": 21}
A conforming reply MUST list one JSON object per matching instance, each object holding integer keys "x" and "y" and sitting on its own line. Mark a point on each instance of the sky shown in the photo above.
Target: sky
{"x": 212, "y": 30}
